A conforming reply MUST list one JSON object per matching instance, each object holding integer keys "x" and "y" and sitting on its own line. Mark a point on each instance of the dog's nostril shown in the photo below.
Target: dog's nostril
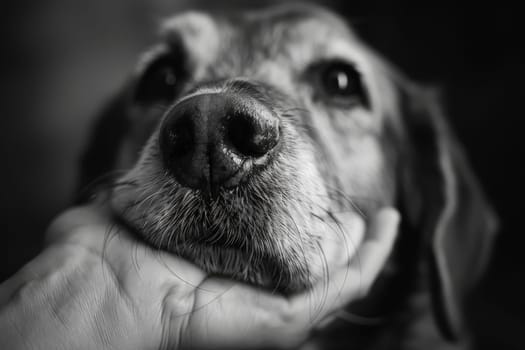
{"x": 252, "y": 136}
{"x": 178, "y": 141}
{"x": 180, "y": 136}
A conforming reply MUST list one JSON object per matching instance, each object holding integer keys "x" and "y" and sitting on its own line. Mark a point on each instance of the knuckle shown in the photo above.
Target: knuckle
{"x": 178, "y": 301}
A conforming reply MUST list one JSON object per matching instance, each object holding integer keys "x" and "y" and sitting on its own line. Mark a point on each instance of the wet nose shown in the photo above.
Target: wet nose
{"x": 212, "y": 141}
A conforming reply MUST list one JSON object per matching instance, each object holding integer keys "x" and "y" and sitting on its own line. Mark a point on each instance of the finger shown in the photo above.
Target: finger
{"x": 344, "y": 234}
{"x": 378, "y": 245}
{"x": 353, "y": 281}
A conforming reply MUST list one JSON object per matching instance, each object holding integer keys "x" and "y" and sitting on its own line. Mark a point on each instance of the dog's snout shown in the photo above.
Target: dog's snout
{"x": 213, "y": 140}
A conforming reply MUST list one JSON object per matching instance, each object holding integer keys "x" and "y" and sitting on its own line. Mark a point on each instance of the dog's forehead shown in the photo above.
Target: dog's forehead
{"x": 299, "y": 33}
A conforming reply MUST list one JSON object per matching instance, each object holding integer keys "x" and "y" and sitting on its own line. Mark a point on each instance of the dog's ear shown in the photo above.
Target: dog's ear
{"x": 103, "y": 145}
{"x": 444, "y": 202}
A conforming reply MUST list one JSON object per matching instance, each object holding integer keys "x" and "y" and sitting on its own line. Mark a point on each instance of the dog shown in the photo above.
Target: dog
{"x": 239, "y": 135}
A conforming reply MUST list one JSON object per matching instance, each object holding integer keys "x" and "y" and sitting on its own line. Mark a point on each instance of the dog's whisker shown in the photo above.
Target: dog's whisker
{"x": 346, "y": 238}
{"x": 301, "y": 246}
{"x": 351, "y": 200}
{"x": 103, "y": 182}
{"x": 318, "y": 308}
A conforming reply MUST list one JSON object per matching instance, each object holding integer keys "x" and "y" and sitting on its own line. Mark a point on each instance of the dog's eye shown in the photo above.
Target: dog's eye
{"x": 160, "y": 82}
{"x": 340, "y": 84}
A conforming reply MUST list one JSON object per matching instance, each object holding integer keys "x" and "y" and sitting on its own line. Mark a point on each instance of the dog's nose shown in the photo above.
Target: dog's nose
{"x": 214, "y": 140}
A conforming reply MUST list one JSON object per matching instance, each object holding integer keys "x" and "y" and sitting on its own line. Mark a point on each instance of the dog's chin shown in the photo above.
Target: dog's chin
{"x": 237, "y": 264}
{"x": 248, "y": 263}
{"x": 223, "y": 249}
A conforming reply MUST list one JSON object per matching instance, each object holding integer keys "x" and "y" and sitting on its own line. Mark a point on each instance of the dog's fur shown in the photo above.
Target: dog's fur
{"x": 389, "y": 146}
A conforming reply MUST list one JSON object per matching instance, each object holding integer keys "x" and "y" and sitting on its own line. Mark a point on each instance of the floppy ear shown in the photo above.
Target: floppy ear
{"x": 103, "y": 145}
{"x": 444, "y": 202}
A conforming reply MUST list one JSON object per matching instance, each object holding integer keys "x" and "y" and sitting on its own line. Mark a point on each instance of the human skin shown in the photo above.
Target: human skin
{"x": 95, "y": 286}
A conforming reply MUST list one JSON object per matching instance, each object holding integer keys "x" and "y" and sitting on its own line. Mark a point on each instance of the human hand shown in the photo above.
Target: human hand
{"x": 95, "y": 286}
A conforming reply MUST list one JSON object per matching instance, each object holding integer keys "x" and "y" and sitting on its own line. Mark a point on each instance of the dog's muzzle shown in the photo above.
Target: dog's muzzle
{"x": 212, "y": 141}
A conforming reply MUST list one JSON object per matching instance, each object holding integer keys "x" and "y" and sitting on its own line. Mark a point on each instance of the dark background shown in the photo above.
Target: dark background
{"x": 59, "y": 59}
